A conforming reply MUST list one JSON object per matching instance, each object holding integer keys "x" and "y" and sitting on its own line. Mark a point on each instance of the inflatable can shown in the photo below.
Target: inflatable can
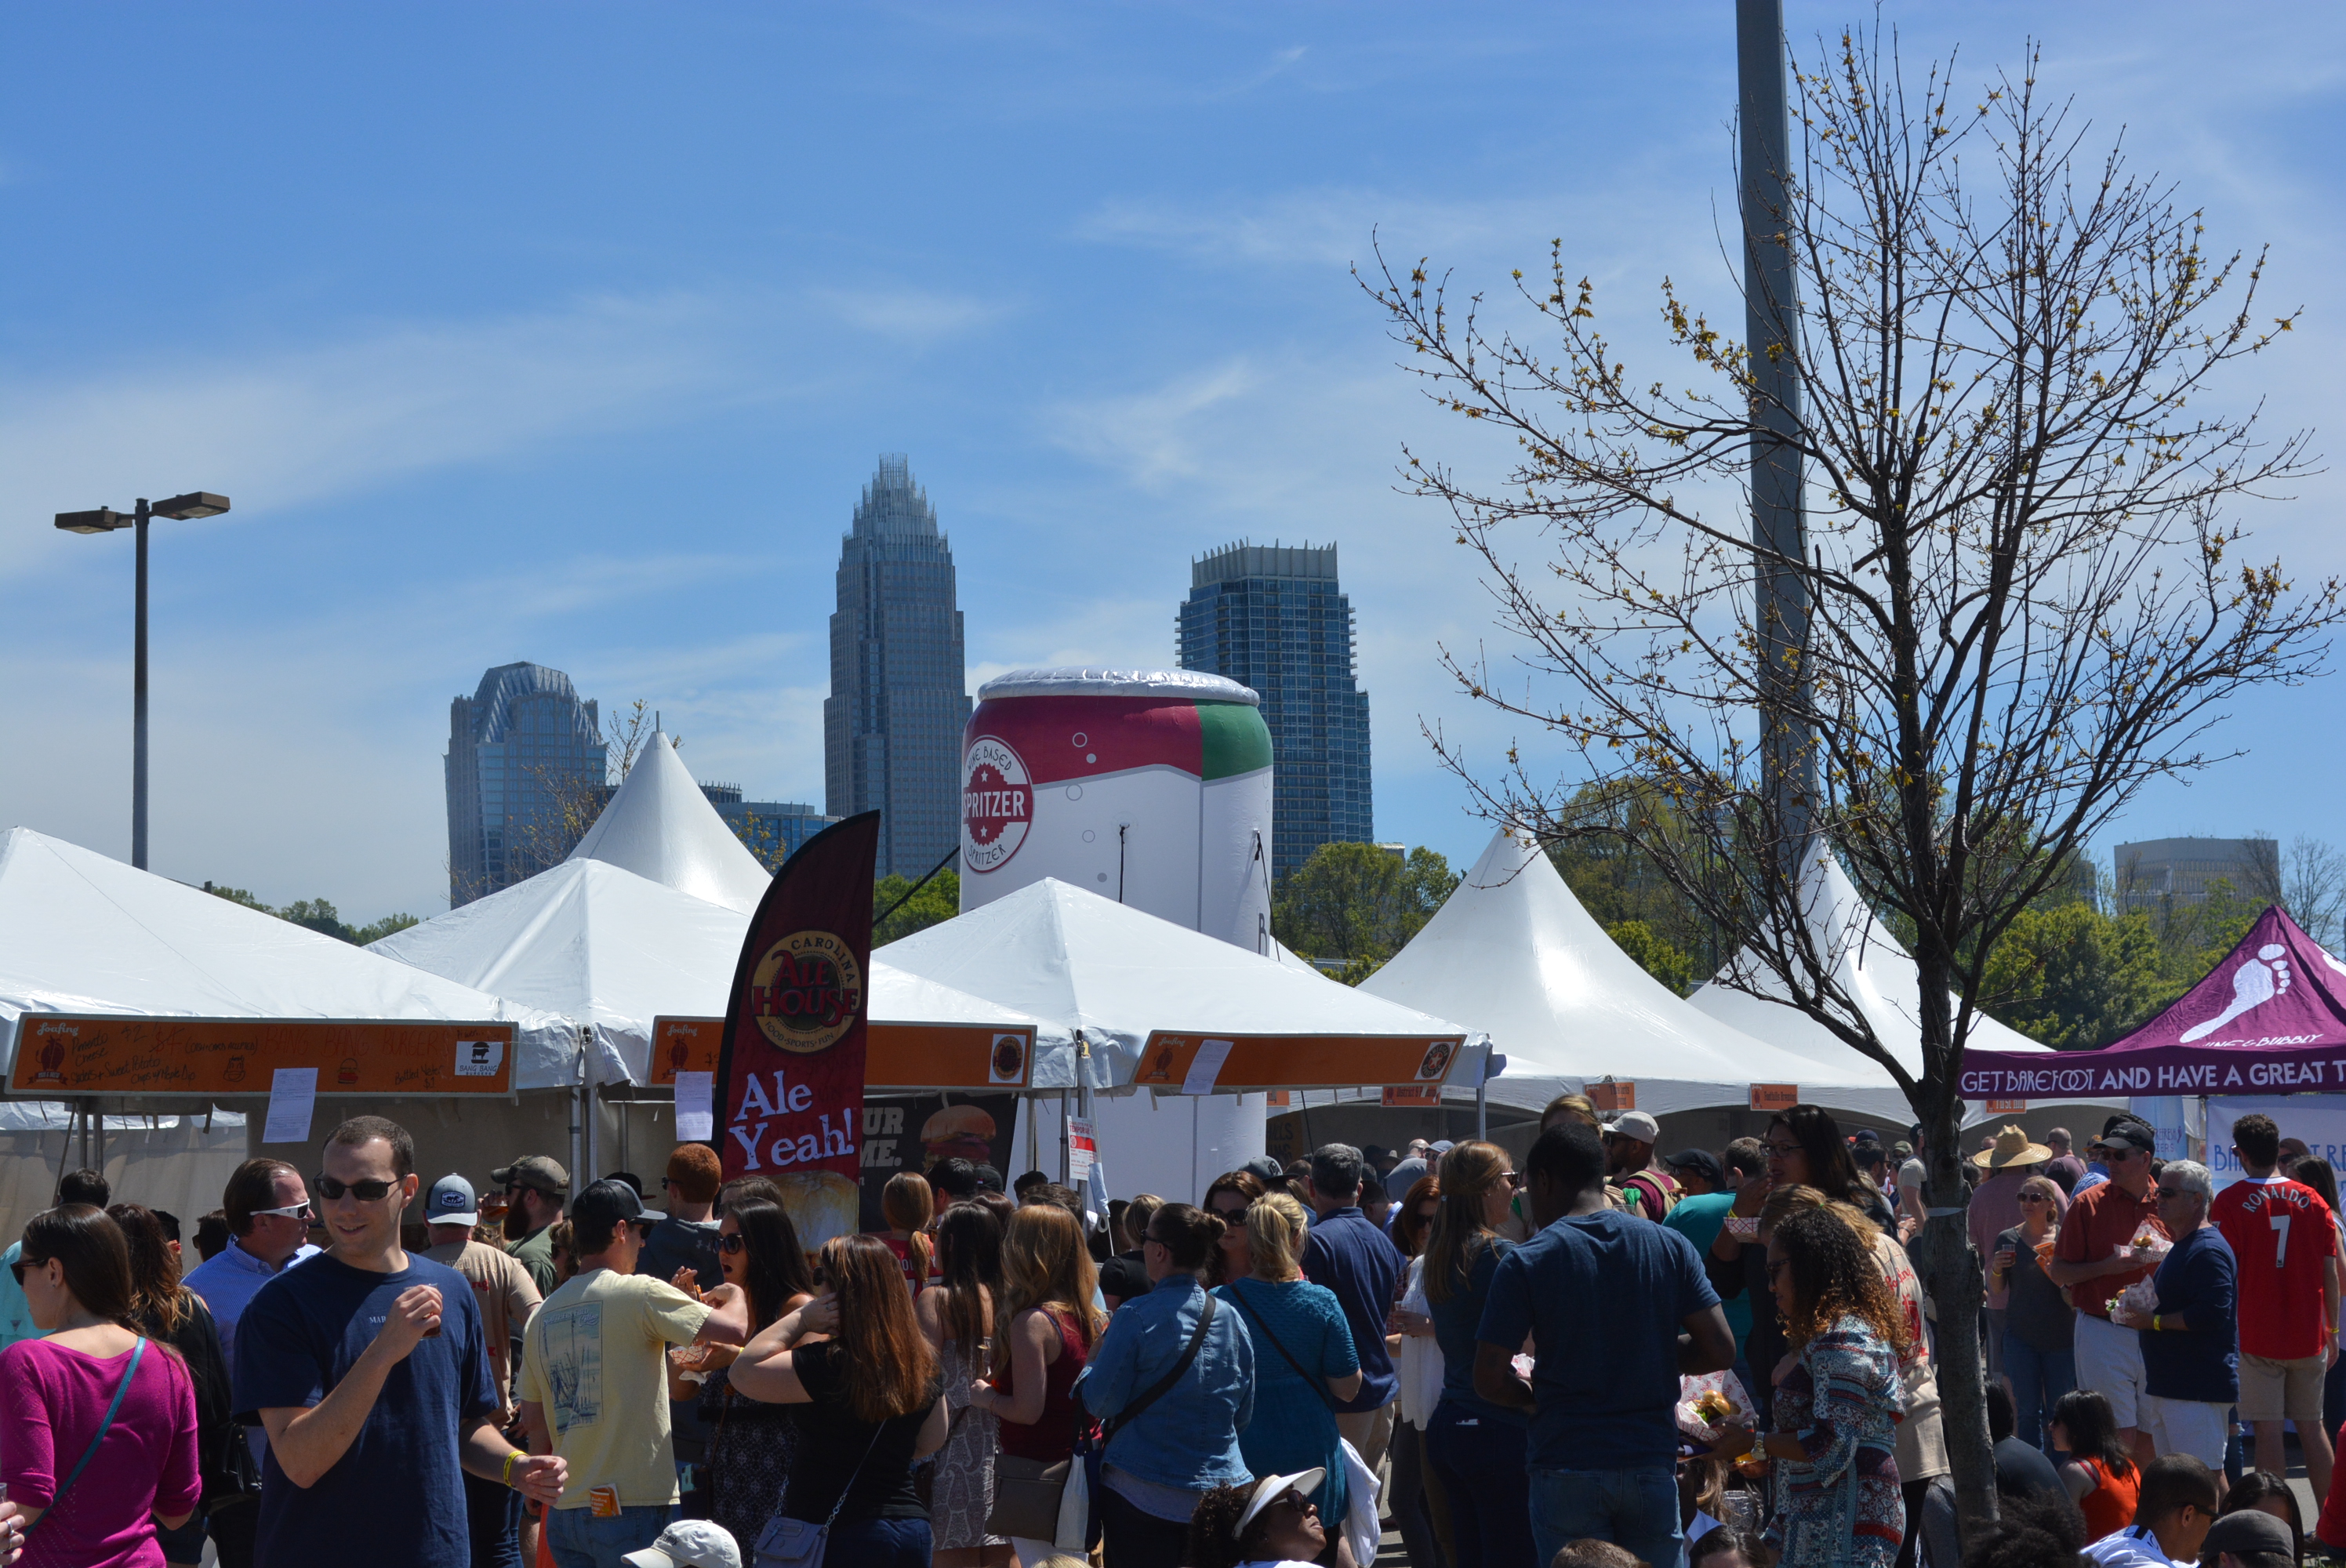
{"x": 1148, "y": 786}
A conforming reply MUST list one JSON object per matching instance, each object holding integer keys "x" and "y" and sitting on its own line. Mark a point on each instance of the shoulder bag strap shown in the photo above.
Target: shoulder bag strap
{"x": 851, "y": 1474}
{"x": 1254, "y": 1317}
{"x": 138, "y": 1351}
{"x": 1163, "y": 1385}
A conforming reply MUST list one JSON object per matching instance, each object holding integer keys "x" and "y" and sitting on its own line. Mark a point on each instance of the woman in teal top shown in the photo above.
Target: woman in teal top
{"x": 1304, "y": 1356}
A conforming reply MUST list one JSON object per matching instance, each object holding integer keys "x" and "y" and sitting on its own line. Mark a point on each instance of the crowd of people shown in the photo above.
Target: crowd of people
{"x": 1599, "y": 1358}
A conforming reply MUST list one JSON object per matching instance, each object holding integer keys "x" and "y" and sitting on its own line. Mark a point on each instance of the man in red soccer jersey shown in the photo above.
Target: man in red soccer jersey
{"x": 2280, "y": 1233}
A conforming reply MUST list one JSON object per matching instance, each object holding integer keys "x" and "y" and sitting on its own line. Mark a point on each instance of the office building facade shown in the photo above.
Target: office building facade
{"x": 2175, "y": 871}
{"x": 1275, "y": 618}
{"x": 771, "y": 829}
{"x": 892, "y": 727}
{"x": 525, "y": 770}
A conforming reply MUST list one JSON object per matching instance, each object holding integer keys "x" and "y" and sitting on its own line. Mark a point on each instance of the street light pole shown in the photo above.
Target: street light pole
{"x": 104, "y": 519}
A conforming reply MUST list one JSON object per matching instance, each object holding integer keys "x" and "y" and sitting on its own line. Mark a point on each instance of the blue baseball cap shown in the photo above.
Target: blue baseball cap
{"x": 452, "y": 1202}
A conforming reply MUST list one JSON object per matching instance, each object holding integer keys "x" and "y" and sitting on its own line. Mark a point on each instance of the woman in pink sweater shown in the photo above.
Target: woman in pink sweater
{"x": 91, "y": 1490}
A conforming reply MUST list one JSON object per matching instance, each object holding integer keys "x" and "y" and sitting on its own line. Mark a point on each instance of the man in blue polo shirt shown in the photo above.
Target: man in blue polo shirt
{"x": 1350, "y": 1255}
{"x": 1620, "y": 1308}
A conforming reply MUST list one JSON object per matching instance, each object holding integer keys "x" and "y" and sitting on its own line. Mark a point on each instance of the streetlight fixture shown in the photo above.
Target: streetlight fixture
{"x": 106, "y": 520}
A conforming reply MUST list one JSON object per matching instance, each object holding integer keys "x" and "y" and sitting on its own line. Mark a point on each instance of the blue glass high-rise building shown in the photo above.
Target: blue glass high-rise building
{"x": 891, "y": 725}
{"x": 1272, "y": 618}
{"x": 525, "y": 759}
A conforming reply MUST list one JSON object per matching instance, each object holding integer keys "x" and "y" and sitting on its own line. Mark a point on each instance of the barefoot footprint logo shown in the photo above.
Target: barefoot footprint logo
{"x": 2256, "y": 982}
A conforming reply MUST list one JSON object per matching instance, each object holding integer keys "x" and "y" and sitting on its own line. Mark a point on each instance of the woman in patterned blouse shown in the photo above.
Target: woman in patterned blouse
{"x": 1837, "y": 1398}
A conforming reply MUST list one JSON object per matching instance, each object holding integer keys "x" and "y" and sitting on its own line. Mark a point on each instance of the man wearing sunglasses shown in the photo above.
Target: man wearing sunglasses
{"x": 368, "y": 1370}
{"x": 2094, "y": 1258}
{"x": 2191, "y": 1338}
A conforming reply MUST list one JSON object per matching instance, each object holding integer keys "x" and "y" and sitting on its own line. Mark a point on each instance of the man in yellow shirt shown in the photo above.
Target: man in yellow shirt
{"x": 594, "y": 1384}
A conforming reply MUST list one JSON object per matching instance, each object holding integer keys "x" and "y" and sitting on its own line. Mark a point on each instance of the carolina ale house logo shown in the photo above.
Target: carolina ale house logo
{"x": 997, "y": 803}
{"x": 805, "y": 991}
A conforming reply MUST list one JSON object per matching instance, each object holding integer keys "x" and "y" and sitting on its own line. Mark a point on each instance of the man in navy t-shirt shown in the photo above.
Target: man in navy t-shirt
{"x": 368, "y": 1369}
{"x": 1350, "y": 1255}
{"x": 1620, "y": 1308}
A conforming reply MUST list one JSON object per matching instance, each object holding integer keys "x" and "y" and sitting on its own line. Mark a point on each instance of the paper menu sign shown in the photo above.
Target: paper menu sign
{"x": 1205, "y": 1066}
{"x": 292, "y": 1096}
{"x": 695, "y": 1115}
{"x": 1082, "y": 1150}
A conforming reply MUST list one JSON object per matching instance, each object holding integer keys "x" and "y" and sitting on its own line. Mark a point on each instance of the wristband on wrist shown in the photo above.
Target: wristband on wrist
{"x": 2154, "y": 1322}
{"x": 506, "y": 1478}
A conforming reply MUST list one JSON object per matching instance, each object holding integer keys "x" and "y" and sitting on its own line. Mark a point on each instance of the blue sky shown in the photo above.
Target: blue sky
{"x": 568, "y": 333}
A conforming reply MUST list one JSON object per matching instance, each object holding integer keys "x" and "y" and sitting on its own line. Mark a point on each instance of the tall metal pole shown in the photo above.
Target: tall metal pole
{"x": 138, "y": 705}
{"x": 1771, "y": 316}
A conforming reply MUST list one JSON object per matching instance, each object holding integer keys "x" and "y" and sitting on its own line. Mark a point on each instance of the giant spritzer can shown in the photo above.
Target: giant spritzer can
{"x": 1148, "y": 786}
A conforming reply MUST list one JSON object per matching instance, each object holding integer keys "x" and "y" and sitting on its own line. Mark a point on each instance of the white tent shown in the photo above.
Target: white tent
{"x": 1513, "y": 954}
{"x": 83, "y": 933}
{"x": 614, "y": 950}
{"x": 660, "y": 826}
{"x": 1121, "y": 976}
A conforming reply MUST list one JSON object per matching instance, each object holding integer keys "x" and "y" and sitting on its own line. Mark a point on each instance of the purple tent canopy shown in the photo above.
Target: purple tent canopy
{"x": 2270, "y": 1018}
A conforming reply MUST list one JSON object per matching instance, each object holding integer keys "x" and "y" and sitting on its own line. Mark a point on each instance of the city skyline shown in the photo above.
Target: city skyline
{"x": 581, "y": 363}
{"x": 524, "y": 753}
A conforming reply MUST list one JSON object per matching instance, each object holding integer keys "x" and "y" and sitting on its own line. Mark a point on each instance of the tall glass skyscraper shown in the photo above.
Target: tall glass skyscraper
{"x": 891, "y": 725}
{"x": 1273, "y": 618}
{"x": 525, "y": 756}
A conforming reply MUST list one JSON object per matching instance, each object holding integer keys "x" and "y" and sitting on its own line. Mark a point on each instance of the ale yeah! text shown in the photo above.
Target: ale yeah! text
{"x": 824, "y": 1141}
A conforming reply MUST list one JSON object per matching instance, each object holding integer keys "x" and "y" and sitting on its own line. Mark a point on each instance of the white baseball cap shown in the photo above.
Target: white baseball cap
{"x": 452, "y": 1203}
{"x": 1306, "y": 1481}
{"x": 1637, "y": 1124}
{"x": 689, "y": 1544}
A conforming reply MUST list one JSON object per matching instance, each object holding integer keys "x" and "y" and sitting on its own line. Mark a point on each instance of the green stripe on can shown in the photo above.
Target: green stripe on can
{"x": 1235, "y": 739}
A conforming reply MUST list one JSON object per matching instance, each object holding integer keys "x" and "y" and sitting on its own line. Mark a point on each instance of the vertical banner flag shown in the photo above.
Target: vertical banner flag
{"x": 789, "y": 1073}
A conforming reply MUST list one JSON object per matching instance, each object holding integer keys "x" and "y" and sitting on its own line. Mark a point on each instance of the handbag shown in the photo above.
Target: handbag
{"x": 1026, "y": 1496}
{"x": 138, "y": 1352}
{"x": 787, "y": 1542}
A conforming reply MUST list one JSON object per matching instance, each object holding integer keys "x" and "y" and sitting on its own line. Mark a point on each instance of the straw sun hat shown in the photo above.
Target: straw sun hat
{"x": 2010, "y": 1147}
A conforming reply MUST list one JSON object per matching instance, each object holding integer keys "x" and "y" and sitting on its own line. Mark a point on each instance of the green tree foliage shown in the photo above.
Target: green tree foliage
{"x": 939, "y": 899}
{"x": 316, "y": 914}
{"x": 1623, "y": 890}
{"x": 2070, "y": 975}
{"x": 1359, "y": 902}
{"x": 1655, "y": 954}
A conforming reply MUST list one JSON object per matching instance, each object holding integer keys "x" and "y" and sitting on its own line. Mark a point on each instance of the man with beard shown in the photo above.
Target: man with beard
{"x": 535, "y": 1188}
{"x": 1629, "y": 1140}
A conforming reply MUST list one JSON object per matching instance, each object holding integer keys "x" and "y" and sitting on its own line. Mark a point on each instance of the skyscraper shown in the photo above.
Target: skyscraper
{"x": 525, "y": 765}
{"x": 891, "y": 725}
{"x": 1273, "y": 618}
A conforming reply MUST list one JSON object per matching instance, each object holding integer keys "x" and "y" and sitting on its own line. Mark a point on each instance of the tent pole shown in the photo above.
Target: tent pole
{"x": 577, "y": 1098}
{"x": 1066, "y": 1145}
{"x": 1482, "y": 1096}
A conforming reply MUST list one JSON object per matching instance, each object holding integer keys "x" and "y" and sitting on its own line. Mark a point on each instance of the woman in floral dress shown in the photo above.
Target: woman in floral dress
{"x": 1837, "y": 1398}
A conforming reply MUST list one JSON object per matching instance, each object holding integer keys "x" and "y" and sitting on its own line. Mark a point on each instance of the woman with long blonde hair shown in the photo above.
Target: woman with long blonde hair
{"x": 1050, "y": 1329}
{"x": 868, "y": 1404}
{"x": 1304, "y": 1358}
{"x": 1477, "y": 1451}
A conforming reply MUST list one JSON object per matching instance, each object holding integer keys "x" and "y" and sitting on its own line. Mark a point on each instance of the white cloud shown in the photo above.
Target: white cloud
{"x": 914, "y": 316}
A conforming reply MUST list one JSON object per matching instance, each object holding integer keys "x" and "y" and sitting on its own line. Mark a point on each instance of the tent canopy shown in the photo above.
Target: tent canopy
{"x": 85, "y": 934}
{"x": 615, "y": 951}
{"x": 1513, "y": 954}
{"x": 1155, "y": 1000}
{"x": 2271, "y": 1017}
{"x": 662, "y": 827}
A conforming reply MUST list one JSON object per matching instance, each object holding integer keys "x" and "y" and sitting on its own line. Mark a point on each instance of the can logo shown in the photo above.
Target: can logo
{"x": 806, "y": 992}
{"x": 997, "y": 803}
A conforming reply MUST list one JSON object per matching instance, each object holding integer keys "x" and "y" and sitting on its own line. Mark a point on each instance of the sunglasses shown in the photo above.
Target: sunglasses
{"x": 18, "y": 1268}
{"x": 729, "y": 1245}
{"x": 298, "y": 1211}
{"x": 1229, "y": 1213}
{"x": 1773, "y": 1269}
{"x": 364, "y": 1191}
{"x": 1515, "y": 1179}
{"x": 2164, "y": 1191}
{"x": 2034, "y": 1197}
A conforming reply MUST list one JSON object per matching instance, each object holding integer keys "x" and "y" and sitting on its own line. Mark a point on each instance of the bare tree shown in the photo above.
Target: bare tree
{"x": 572, "y": 800}
{"x": 2308, "y": 880}
{"x": 2027, "y": 592}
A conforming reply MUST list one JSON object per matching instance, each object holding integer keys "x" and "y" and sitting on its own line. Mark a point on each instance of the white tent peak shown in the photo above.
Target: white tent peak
{"x": 1513, "y": 952}
{"x": 661, "y": 827}
{"x": 1869, "y": 965}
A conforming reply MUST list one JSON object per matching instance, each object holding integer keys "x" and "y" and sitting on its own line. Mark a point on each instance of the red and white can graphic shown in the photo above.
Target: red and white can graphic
{"x": 997, "y": 803}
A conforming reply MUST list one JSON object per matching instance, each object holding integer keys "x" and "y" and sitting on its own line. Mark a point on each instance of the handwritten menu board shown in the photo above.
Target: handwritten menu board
{"x": 65, "y": 1053}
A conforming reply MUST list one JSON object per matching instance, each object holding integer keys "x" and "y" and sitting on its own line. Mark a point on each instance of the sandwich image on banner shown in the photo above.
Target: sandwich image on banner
{"x": 789, "y": 1071}
{"x": 957, "y": 1132}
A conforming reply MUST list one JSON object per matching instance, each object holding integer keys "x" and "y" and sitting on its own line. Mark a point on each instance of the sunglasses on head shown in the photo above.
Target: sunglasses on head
{"x": 364, "y": 1191}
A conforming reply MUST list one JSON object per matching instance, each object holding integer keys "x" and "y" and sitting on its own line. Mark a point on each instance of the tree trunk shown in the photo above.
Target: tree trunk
{"x": 1951, "y": 1272}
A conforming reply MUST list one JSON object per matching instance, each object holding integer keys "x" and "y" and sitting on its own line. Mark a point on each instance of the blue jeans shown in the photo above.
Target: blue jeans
{"x": 579, "y": 1539}
{"x": 1479, "y": 1460}
{"x": 878, "y": 1544}
{"x": 2039, "y": 1379}
{"x": 1636, "y": 1509}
